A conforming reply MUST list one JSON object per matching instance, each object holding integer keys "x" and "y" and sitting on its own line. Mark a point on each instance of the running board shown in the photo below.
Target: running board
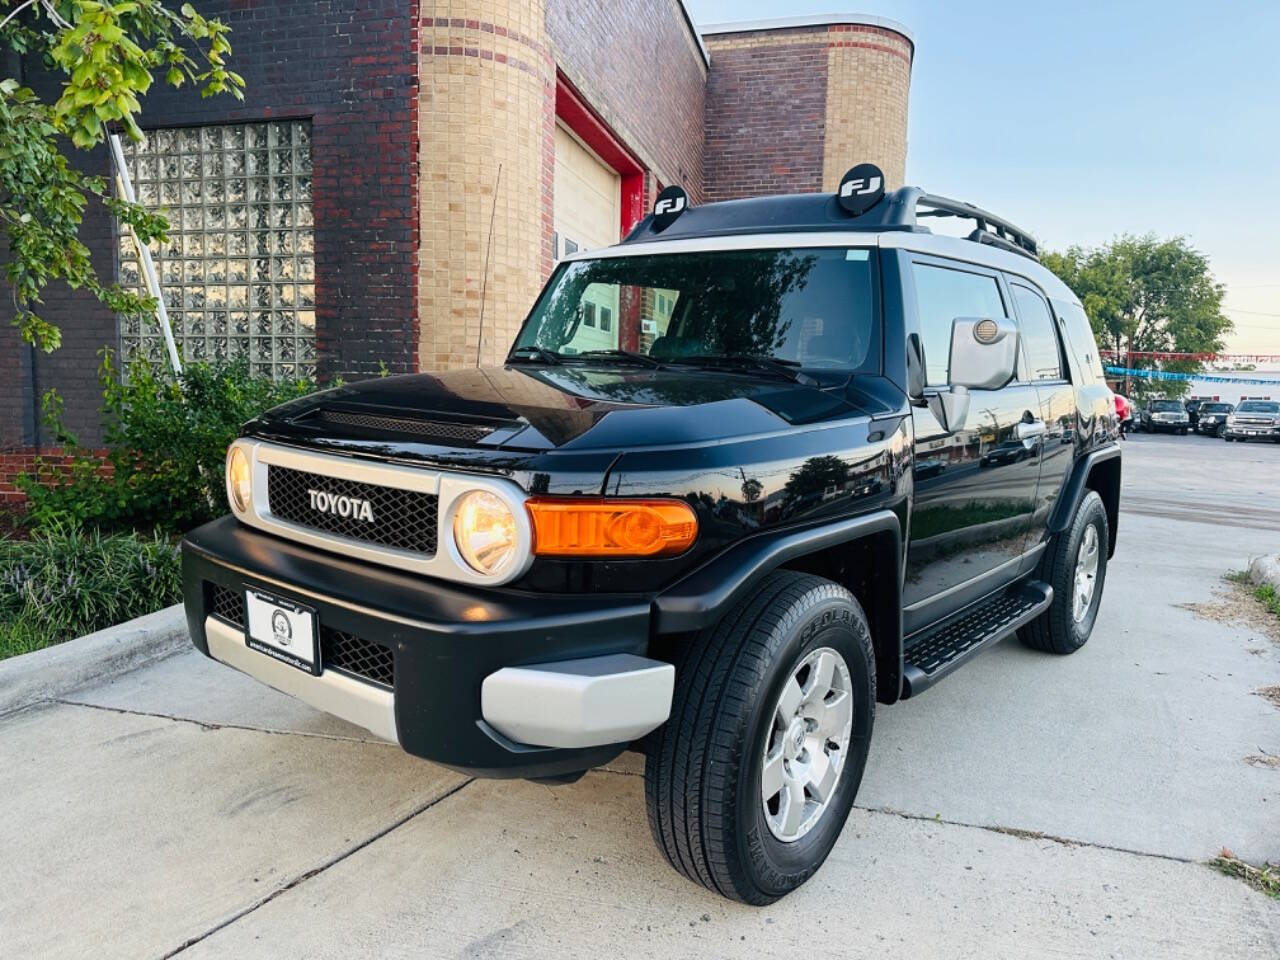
{"x": 941, "y": 649}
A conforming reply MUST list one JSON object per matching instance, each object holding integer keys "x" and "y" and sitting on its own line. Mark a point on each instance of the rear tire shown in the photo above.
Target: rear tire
{"x": 1065, "y": 627}
{"x": 705, "y": 769}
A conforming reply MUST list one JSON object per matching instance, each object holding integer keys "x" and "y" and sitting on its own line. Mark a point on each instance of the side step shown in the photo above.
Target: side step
{"x": 934, "y": 654}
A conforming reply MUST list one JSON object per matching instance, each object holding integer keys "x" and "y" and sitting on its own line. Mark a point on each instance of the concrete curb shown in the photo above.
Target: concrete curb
{"x": 56, "y": 671}
{"x": 1266, "y": 570}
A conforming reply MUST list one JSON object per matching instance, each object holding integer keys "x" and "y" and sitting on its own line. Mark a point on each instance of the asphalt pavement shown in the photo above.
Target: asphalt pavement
{"x": 1028, "y": 806}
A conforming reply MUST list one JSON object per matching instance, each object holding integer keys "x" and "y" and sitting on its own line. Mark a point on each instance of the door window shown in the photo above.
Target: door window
{"x": 1039, "y": 341}
{"x": 942, "y": 295}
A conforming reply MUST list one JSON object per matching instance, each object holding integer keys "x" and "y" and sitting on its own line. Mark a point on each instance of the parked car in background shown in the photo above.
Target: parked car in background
{"x": 1212, "y": 421}
{"x": 1254, "y": 420}
{"x": 1164, "y": 416}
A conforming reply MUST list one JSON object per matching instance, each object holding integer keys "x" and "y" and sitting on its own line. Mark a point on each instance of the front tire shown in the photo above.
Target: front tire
{"x": 750, "y": 781}
{"x": 1075, "y": 565}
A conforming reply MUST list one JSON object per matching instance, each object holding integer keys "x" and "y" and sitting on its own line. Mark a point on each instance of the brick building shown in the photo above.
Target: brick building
{"x": 400, "y": 171}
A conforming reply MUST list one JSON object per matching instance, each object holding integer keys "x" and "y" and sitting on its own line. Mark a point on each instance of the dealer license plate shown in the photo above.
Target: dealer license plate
{"x": 282, "y": 629}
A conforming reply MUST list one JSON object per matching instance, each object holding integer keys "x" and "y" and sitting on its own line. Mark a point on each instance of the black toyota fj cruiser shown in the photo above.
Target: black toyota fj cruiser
{"x": 782, "y": 485}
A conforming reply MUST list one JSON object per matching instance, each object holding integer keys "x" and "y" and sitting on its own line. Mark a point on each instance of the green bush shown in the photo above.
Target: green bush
{"x": 167, "y": 439}
{"x": 66, "y": 582}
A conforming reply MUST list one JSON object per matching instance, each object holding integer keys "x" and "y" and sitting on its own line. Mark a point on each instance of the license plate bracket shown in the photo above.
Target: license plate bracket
{"x": 282, "y": 629}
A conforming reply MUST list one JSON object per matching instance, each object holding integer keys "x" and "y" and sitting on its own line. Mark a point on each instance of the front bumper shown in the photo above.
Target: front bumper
{"x": 1170, "y": 426}
{"x": 475, "y": 673}
{"x": 1252, "y": 432}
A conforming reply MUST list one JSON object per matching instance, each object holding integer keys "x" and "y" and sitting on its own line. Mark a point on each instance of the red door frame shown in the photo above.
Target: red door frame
{"x": 572, "y": 110}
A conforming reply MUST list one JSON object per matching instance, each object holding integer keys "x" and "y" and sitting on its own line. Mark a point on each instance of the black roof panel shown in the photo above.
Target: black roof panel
{"x": 820, "y": 212}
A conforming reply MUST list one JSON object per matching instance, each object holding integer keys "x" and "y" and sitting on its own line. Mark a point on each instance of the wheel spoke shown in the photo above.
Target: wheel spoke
{"x": 820, "y": 678}
{"x": 792, "y": 812}
{"x": 836, "y": 713}
{"x": 789, "y": 702}
{"x": 772, "y": 776}
{"x": 822, "y": 776}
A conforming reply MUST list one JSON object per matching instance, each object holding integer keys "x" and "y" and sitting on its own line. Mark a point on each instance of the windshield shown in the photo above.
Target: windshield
{"x": 1216, "y": 408}
{"x": 815, "y": 308}
{"x": 1257, "y": 406}
{"x": 1166, "y": 406}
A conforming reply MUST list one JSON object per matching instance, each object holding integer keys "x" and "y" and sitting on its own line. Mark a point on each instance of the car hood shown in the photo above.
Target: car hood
{"x": 572, "y": 407}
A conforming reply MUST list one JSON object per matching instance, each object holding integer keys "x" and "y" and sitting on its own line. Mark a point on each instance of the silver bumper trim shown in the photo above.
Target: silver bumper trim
{"x": 359, "y": 703}
{"x": 579, "y": 703}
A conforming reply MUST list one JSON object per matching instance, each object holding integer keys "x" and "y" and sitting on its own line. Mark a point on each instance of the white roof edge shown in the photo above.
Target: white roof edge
{"x": 697, "y": 35}
{"x": 816, "y": 20}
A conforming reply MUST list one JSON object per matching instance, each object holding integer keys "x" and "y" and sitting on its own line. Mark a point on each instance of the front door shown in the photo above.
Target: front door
{"x": 975, "y": 486}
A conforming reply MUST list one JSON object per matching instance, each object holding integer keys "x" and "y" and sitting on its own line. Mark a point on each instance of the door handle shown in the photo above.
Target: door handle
{"x": 1029, "y": 429}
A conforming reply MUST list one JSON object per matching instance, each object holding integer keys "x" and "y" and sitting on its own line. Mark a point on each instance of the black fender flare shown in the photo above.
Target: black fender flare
{"x": 699, "y": 599}
{"x": 1077, "y": 483}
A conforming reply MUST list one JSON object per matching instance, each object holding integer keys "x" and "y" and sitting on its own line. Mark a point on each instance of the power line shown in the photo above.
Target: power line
{"x": 1251, "y": 313}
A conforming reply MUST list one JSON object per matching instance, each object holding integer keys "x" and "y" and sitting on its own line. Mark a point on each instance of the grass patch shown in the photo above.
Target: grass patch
{"x": 1268, "y": 597}
{"x": 1239, "y": 577}
{"x": 1265, "y": 879}
{"x": 65, "y": 582}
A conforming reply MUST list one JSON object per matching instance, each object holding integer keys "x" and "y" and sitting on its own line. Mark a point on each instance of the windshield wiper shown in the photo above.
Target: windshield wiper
{"x": 787, "y": 369}
{"x": 621, "y": 356}
{"x": 534, "y": 354}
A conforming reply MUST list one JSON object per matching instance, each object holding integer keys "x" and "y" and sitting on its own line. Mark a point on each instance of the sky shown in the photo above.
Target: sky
{"x": 1082, "y": 121}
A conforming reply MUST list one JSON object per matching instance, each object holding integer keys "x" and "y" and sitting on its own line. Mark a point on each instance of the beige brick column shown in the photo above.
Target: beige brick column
{"x": 868, "y": 79}
{"x": 486, "y": 120}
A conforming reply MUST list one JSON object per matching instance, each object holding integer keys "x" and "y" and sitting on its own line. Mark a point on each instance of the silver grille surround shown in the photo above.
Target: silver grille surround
{"x": 449, "y": 488}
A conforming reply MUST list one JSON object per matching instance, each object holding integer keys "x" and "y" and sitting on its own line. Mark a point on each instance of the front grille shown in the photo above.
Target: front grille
{"x": 431, "y": 429}
{"x": 226, "y": 604}
{"x": 402, "y": 519}
{"x": 357, "y": 656}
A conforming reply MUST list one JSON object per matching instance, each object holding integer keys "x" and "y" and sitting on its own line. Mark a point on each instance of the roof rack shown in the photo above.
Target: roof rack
{"x": 990, "y": 229}
{"x": 900, "y": 209}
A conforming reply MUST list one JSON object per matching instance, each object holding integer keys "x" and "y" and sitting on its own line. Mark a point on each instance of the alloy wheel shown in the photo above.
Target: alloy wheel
{"x": 806, "y": 744}
{"x": 1086, "y": 581}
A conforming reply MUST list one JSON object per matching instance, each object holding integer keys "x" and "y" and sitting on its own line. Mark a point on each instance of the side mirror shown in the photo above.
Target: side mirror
{"x": 984, "y": 353}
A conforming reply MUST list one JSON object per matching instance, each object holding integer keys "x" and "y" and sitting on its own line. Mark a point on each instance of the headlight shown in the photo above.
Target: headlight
{"x": 485, "y": 533}
{"x": 239, "y": 479}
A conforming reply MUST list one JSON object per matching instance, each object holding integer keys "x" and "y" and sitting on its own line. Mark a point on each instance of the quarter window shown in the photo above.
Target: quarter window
{"x": 238, "y": 272}
{"x": 942, "y": 295}
{"x": 1039, "y": 341}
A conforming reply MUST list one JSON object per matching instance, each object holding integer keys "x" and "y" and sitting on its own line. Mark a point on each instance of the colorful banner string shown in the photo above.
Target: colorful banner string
{"x": 1198, "y": 377}
{"x": 1204, "y": 357}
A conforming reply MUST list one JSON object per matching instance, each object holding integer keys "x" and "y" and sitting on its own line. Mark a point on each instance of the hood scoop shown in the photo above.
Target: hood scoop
{"x": 451, "y": 432}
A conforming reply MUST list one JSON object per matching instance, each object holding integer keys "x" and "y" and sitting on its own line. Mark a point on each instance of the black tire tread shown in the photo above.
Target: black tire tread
{"x": 1051, "y": 631}
{"x": 689, "y": 769}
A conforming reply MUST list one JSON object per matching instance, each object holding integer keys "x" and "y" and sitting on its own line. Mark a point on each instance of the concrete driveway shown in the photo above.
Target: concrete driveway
{"x": 1030, "y": 806}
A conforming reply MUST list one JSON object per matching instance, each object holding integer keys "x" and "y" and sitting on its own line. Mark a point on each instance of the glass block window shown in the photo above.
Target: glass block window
{"x": 238, "y": 271}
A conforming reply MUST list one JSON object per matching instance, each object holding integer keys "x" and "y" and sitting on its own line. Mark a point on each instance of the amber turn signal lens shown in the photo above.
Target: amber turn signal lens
{"x": 611, "y": 528}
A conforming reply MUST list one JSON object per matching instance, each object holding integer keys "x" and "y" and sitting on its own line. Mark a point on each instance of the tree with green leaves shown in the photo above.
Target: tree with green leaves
{"x": 107, "y": 55}
{"x": 1147, "y": 294}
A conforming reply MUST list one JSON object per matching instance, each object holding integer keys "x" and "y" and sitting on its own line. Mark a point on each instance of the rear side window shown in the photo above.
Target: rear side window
{"x": 942, "y": 295}
{"x": 1080, "y": 336}
{"x": 1039, "y": 341}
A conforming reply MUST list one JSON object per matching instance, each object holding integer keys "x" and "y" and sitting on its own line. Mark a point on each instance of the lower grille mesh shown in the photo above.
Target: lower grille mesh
{"x": 355, "y": 655}
{"x": 227, "y": 604}
{"x": 339, "y": 650}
